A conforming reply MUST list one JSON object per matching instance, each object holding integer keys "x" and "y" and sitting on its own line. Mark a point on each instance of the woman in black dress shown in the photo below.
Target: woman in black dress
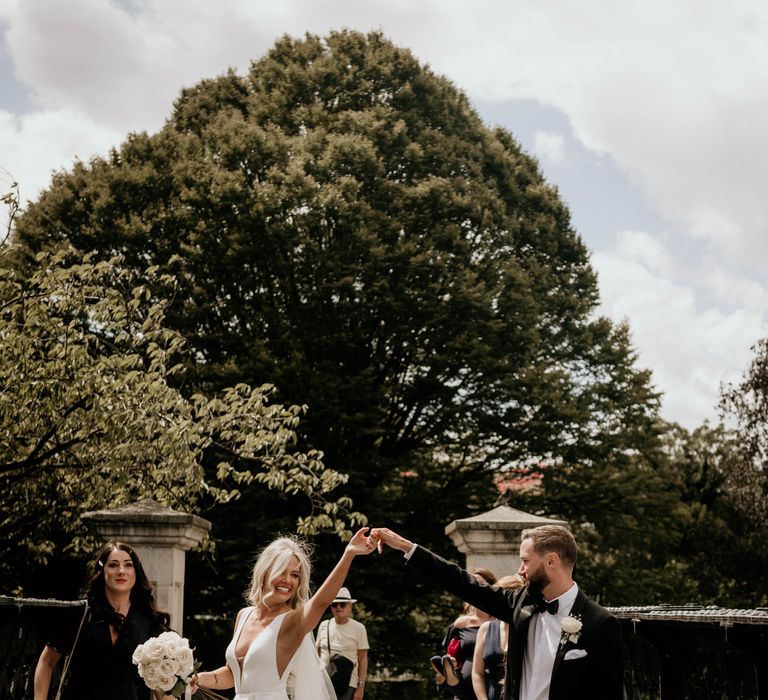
{"x": 488, "y": 663}
{"x": 122, "y": 615}
{"x": 459, "y": 645}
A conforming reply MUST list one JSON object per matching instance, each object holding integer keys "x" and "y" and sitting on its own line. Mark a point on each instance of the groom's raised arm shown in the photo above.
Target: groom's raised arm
{"x": 447, "y": 575}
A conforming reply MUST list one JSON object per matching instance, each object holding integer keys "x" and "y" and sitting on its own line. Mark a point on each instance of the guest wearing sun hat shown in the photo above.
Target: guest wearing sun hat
{"x": 344, "y": 596}
{"x": 347, "y": 637}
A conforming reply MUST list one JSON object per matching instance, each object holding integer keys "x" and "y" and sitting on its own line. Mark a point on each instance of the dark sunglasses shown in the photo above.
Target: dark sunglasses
{"x": 338, "y": 605}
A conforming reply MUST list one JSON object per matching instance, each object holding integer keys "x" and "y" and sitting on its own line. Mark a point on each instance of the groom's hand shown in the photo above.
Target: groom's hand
{"x": 383, "y": 535}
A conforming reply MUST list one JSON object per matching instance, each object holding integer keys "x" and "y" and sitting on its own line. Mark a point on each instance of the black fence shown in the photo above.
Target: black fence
{"x": 25, "y": 626}
{"x": 693, "y": 653}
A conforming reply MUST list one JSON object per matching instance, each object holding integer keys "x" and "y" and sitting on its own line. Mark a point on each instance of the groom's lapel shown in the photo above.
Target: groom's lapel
{"x": 562, "y": 649}
{"x": 521, "y": 619}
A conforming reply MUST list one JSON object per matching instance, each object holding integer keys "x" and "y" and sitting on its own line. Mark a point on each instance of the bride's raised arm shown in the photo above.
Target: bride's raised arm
{"x": 312, "y": 611}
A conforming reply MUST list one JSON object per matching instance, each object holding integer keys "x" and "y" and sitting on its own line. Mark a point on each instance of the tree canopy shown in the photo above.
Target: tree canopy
{"x": 345, "y": 227}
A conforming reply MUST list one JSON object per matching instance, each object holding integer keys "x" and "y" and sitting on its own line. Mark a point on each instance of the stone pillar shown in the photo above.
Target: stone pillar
{"x": 492, "y": 539}
{"x": 161, "y": 536}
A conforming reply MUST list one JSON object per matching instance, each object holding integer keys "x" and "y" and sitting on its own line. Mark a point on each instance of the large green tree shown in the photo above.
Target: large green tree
{"x": 349, "y": 230}
{"x": 343, "y": 225}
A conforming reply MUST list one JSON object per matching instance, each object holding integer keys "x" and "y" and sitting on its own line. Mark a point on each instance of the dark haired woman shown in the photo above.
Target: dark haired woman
{"x": 459, "y": 645}
{"x": 122, "y": 615}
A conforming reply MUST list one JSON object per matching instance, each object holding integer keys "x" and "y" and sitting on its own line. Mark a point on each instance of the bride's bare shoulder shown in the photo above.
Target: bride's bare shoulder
{"x": 240, "y": 613}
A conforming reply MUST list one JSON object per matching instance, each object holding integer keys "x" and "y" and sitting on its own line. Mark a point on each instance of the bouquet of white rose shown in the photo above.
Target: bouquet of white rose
{"x": 165, "y": 663}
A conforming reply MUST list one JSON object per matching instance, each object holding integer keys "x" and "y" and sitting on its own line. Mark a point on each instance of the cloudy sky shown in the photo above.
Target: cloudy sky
{"x": 646, "y": 115}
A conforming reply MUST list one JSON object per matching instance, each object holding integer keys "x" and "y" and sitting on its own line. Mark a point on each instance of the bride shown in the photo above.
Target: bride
{"x": 273, "y": 637}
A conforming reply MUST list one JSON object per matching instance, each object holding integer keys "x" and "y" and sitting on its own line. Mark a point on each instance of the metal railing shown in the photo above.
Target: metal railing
{"x": 693, "y": 652}
{"x": 25, "y": 626}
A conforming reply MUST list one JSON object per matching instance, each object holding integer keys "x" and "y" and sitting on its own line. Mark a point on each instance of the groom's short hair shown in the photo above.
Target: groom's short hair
{"x": 553, "y": 538}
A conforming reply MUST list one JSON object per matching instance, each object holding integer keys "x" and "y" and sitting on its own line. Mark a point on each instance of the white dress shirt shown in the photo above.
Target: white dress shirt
{"x": 544, "y": 633}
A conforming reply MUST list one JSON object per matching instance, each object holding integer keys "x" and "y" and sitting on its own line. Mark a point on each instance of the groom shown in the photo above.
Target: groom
{"x": 561, "y": 644}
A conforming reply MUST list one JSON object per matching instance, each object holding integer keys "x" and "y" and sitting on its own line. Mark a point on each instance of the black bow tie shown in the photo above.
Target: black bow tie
{"x": 543, "y": 606}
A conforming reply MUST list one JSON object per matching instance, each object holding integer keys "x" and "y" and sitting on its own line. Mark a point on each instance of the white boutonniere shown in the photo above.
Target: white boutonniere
{"x": 571, "y": 629}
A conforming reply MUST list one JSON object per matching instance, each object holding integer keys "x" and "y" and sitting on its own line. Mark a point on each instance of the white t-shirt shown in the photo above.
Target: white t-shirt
{"x": 346, "y": 639}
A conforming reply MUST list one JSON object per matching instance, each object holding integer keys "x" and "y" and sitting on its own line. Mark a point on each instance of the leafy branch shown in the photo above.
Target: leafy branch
{"x": 9, "y": 199}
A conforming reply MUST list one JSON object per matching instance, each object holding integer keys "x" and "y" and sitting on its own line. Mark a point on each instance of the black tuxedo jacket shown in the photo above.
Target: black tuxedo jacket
{"x": 597, "y": 675}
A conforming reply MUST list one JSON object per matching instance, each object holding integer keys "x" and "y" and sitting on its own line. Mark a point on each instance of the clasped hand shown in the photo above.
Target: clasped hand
{"x": 375, "y": 539}
{"x": 379, "y": 536}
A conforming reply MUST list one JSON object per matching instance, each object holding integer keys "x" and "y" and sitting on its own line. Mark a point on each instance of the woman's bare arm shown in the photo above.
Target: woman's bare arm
{"x": 305, "y": 618}
{"x": 221, "y": 678}
{"x": 49, "y": 657}
{"x": 478, "y": 665}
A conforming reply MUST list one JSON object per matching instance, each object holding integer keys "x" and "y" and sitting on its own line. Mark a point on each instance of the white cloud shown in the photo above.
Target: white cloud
{"x": 690, "y": 348}
{"x": 8, "y": 8}
{"x": 35, "y": 145}
{"x": 733, "y": 288}
{"x": 549, "y": 147}
{"x": 90, "y": 57}
{"x": 647, "y": 250}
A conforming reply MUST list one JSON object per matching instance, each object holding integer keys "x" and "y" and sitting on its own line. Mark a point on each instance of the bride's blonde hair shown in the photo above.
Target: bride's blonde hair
{"x": 273, "y": 560}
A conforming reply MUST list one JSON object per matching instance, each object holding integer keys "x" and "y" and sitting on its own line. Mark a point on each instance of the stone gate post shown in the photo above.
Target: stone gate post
{"x": 492, "y": 539}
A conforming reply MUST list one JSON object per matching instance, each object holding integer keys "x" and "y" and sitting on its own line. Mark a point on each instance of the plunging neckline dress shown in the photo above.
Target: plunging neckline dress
{"x": 258, "y": 679}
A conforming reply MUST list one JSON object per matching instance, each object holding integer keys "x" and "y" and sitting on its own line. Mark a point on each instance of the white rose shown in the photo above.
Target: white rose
{"x": 150, "y": 673}
{"x": 171, "y": 648}
{"x": 137, "y": 654}
{"x": 166, "y": 637}
{"x": 168, "y": 667}
{"x": 153, "y": 650}
{"x": 571, "y": 625}
{"x": 186, "y": 661}
{"x": 166, "y": 682}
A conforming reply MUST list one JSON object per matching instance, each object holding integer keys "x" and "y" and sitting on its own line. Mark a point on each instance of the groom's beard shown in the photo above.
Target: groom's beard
{"x": 537, "y": 581}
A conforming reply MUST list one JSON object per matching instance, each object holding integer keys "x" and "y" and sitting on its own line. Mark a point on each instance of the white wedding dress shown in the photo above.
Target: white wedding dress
{"x": 259, "y": 679}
